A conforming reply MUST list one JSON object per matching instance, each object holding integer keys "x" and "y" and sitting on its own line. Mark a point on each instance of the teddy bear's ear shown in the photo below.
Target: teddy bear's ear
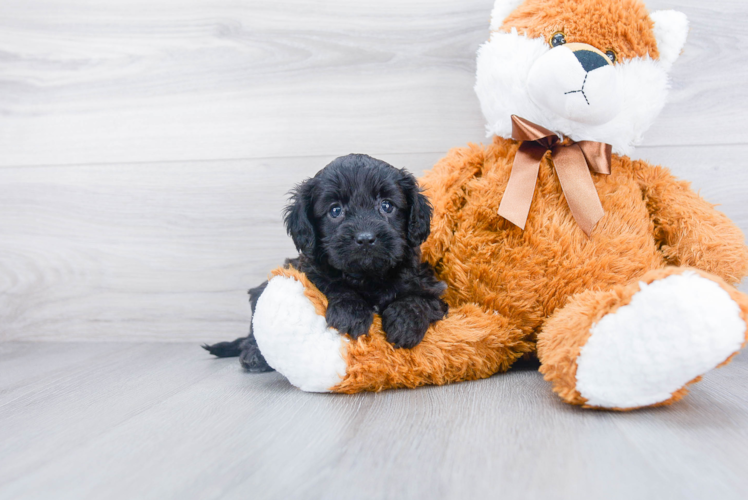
{"x": 670, "y": 30}
{"x": 501, "y": 9}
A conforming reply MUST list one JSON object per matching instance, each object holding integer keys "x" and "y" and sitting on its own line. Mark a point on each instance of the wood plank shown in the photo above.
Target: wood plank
{"x": 21, "y": 368}
{"x": 173, "y": 80}
{"x": 167, "y": 251}
{"x": 164, "y": 421}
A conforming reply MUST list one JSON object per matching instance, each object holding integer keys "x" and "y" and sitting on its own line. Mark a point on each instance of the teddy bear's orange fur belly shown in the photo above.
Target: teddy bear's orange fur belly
{"x": 526, "y": 275}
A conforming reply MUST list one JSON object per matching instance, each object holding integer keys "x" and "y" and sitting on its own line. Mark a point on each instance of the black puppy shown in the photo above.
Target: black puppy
{"x": 358, "y": 226}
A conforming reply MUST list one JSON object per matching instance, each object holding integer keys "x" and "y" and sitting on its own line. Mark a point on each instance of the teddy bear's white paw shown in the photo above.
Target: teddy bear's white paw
{"x": 672, "y": 331}
{"x": 295, "y": 340}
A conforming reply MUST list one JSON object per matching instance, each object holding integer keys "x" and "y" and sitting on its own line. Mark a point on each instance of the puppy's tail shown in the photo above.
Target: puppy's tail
{"x": 235, "y": 348}
{"x": 226, "y": 349}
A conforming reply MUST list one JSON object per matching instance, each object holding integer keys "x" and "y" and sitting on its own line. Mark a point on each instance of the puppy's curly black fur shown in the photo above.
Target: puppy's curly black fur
{"x": 358, "y": 226}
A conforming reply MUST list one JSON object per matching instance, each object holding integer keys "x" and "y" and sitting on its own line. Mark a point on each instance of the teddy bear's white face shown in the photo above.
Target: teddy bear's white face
{"x": 574, "y": 89}
{"x": 576, "y": 81}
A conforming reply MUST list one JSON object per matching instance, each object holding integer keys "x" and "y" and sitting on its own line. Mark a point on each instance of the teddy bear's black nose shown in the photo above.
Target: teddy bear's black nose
{"x": 590, "y": 61}
{"x": 365, "y": 238}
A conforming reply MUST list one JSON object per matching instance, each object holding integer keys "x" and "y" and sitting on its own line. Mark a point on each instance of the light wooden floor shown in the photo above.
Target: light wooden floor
{"x": 146, "y": 147}
{"x": 155, "y": 420}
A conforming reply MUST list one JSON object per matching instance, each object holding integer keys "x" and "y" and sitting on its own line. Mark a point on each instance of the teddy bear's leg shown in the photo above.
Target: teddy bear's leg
{"x": 289, "y": 325}
{"x": 642, "y": 344}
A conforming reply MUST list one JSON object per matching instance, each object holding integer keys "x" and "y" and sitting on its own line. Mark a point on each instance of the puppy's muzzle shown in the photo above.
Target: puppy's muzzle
{"x": 577, "y": 82}
{"x": 362, "y": 245}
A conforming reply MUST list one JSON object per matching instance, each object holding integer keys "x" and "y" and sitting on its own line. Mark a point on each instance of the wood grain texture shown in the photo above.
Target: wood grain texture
{"x": 171, "y": 80}
{"x": 175, "y": 80}
{"x": 164, "y": 421}
{"x": 120, "y": 216}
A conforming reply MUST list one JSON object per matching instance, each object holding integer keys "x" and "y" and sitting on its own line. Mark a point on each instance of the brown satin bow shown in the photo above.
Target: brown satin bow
{"x": 572, "y": 163}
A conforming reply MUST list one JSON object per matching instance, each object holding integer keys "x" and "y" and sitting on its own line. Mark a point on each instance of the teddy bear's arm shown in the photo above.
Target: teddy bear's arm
{"x": 689, "y": 231}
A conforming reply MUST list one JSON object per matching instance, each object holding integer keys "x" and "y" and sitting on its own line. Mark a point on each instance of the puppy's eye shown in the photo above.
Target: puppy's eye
{"x": 558, "y": 38}
{"x": 335, "y": 211}
{"x": 611, "y": 55}
{"x": 387, "y": 206}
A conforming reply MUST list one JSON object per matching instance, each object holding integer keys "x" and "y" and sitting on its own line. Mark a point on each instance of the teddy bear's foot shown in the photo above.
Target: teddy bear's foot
{"x": 293, "y": 336}
{"x": 642, "y": 344}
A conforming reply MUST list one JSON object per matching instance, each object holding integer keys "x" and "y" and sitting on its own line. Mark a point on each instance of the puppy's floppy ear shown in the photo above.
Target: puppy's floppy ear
{"x": 296, "y": 217}
{"x": 419, "y": 217}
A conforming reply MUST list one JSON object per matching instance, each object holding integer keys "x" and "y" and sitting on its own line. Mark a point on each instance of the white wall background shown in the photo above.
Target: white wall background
{"x": 146, "y": 146}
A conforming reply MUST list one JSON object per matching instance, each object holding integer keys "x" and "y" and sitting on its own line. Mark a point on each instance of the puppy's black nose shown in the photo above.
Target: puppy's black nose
{"x": 365, "y": 238}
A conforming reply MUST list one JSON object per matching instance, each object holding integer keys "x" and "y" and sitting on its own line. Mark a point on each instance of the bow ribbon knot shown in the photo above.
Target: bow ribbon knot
{"x": 572, "y": 162}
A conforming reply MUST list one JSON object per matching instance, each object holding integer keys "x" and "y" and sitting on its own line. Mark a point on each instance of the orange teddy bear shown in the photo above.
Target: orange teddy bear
{"x": 616, "y": 274}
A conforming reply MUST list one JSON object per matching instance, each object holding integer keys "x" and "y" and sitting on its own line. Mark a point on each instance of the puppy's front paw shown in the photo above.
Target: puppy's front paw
{"x": 404, "y": 323}
{"x": 350, "y": 316}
